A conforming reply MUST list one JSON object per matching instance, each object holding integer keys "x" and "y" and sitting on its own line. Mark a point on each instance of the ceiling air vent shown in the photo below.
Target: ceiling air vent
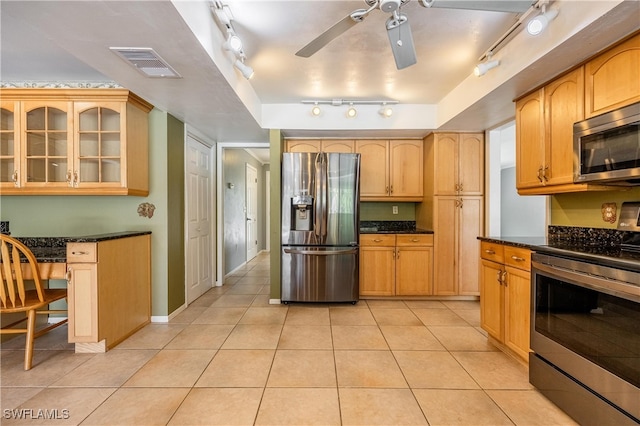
{"x": 147, "y": 61}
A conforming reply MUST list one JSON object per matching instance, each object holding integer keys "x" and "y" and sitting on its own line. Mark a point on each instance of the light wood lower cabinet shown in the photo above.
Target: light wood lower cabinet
{"x": 505, "y": 295}
{"x": 109, "y": 291}
{"x": 396, "y": 265}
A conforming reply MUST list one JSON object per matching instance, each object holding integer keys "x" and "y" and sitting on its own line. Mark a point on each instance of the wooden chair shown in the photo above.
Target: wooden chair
{"x": 14, "y": 298}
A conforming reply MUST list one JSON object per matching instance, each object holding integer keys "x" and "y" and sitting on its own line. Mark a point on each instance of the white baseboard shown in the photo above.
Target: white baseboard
{"x": 167, "y": 318}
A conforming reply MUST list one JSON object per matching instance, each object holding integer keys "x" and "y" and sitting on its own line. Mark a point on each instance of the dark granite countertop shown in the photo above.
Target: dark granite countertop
{"x": 391, "y": 227}
{"x": 54, "y": 249}
{"x": 524, "y": 242}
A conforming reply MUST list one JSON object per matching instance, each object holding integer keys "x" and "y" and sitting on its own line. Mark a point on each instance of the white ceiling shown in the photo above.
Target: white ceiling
{"x": 69, "y": 41}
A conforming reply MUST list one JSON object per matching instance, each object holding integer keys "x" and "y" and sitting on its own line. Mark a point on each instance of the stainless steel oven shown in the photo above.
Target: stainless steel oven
{"x": 585, "y": 335}
{"x": 607, "y": 147}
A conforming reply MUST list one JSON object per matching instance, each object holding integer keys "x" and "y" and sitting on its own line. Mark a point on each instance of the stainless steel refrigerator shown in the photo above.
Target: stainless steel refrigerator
{"x": 320, "y": 227}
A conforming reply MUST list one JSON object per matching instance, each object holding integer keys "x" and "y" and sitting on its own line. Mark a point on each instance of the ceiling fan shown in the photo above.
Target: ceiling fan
{"x": 397, "y": 25}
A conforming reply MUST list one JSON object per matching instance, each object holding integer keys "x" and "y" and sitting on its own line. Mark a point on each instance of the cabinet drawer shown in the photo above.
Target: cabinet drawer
{"x": 378, "y": 240}
{"x": 492, "y": 251}
{"x": 517, "y": 257}
{"x": 414, "y": 240}
{"x": 82, "y": 252}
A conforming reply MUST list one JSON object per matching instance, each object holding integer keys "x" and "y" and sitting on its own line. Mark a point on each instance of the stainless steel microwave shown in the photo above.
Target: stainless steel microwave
{"x": 607, "y": 147}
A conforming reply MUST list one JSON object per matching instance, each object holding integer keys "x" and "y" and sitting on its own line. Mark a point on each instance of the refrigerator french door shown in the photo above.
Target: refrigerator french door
{"x": 320, "y": 227}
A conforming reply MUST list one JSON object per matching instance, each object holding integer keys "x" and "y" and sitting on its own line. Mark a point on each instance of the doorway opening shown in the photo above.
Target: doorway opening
{"x": 239, "y": 214}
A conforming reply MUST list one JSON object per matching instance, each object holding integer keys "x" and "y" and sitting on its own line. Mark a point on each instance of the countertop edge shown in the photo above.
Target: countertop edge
{"x": 530, "y": 243}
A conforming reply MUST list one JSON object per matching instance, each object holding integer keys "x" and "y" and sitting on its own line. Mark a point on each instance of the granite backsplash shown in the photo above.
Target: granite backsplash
{"x": 585, "y": 236}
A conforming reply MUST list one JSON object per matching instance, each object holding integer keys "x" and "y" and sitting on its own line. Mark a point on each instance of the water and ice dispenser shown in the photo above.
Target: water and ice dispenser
{"x": 302, "y": 213}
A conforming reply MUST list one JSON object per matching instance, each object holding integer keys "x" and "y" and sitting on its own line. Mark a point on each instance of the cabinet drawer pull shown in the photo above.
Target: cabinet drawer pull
{"x": 518, "y": 259}
{"x": 377, "y": 240}
{"x": 79, "y": 253}
{"x": 415, "y": 240}
{"x": 489, "y": 251}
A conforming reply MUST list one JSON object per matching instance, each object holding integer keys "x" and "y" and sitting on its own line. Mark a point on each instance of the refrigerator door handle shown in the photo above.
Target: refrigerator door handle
{"x": 321, "y": 253}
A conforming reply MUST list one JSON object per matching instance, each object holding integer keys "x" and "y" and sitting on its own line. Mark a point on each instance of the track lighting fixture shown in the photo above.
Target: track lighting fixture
{"x": 482, "y": 68}
{"x": 233, "y": 43}
{"x": 245, "y": 69}
{"x": 386, "y": 111}
{"x": 539, "y": 23}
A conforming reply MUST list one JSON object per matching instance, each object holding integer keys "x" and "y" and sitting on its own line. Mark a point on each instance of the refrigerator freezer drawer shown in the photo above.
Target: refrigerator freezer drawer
{"x": 320, "y": 274}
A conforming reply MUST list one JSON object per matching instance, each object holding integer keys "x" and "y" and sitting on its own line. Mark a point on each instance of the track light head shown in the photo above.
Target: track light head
{"x": 233, "y": 44}
{"x": 315, "y": 111}
{"x": 351, "y": 112}
{"x": 386, "y": 111}
{"x": 482, "y": 68}
{"x": 245, "y": 69}
{"x": 538, "y": 24}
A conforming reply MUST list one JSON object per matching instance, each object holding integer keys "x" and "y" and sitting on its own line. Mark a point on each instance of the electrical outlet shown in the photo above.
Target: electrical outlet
{"x": 395, "y": 209}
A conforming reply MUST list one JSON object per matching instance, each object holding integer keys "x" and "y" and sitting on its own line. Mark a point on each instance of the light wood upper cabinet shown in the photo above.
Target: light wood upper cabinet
{"x": 338, "y": 145}
{"x": 406, "y": 168}
{"x": 374, "y": 168}
{"x": 563, "y": 106}
{"x": 613, "y": 78}
{"x": 530, "y": 150}
{"x": 317, "y": 145}
{"x": 390, "y": 170}
{"x": 9, "y": 144}
{"x": 78, "y": 141}
{"x": 455, "y": 163}
{"x": 544, "y": 135}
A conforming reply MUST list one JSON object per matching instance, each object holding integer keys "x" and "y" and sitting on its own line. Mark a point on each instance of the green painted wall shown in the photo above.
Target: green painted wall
{"x": 175, "y": 214}
{"x": 383, "y": 211}
{"x": 51, "y": 216}
{"x": 585, "y": 209}
{"x": 276, "y": 146}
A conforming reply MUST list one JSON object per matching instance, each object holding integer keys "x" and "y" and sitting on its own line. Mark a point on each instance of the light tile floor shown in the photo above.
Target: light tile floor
{"x": 231, "y": 358}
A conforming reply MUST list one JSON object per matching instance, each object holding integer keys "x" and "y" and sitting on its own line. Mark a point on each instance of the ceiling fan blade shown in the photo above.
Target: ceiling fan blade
{"x": 401, "y": 40}
{"x": 323, "y": 39}
{"x": 516, "y": 6}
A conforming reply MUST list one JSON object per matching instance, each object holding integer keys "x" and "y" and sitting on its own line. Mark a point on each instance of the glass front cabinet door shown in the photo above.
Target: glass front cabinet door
{"x": 9, "y": 144}
{"x": 47, "y": 145}
{"x": 99, "y": 145}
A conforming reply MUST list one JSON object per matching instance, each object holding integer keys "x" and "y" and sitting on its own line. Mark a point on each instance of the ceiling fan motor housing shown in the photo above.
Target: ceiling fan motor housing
{"x": 389, "y": 6}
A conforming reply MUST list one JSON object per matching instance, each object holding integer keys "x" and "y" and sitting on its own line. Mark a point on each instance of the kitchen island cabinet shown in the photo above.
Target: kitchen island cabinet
{"x": 109, "y": 290}
{"x": 396, "y": 265}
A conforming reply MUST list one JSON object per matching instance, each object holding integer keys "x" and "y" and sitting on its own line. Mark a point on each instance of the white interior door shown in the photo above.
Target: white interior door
{"x": 199, "y": 259}
{"x": 252, "y": 211}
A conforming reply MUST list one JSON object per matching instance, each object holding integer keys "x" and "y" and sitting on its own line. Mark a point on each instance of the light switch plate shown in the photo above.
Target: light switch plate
{"x": 395, "y": 209}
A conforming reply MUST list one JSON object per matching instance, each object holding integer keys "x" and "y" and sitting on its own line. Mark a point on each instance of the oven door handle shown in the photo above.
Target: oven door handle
{"x": 593, "y": 282}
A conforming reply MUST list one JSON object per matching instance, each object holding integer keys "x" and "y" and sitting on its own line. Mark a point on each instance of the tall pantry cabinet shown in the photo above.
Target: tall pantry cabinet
{"x": 453, "y": 207}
